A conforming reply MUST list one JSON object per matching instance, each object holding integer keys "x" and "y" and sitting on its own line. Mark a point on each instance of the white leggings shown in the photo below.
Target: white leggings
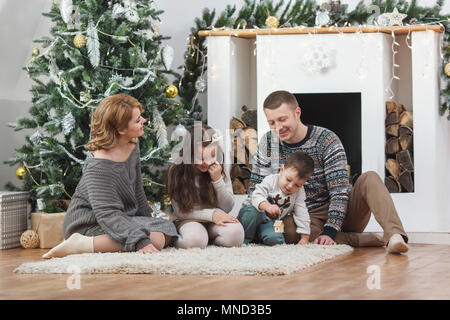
{"x": 196, "y": 235}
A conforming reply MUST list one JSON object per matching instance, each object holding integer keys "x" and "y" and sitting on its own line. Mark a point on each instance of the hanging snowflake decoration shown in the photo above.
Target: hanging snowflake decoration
{"x": 85, "y": 96}
{"x": 318, "y": 58}
{"x": 200, "y": 85}
{"x": 68, "y": 123}
{"x": 116, "y": 78}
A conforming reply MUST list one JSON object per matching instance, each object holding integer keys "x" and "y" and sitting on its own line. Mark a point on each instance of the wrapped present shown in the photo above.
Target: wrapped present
{"x": 13, "y": 218}
{"x": 49, "y": 228}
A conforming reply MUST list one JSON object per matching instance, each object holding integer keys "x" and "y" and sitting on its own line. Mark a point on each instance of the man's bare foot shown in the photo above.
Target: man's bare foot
{"x": 396, "y": 244}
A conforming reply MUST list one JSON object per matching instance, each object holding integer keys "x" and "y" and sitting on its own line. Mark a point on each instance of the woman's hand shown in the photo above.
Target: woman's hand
{"x": 150, "y": 248}
{"x": 221, "y": 218}
{"x": 215, "y": 171}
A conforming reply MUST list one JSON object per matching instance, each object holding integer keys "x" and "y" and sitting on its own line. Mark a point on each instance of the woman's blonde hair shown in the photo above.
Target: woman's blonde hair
{"x": 113, "y": 114}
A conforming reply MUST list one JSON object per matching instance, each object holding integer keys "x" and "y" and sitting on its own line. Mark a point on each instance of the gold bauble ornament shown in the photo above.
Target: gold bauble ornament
{"x": 171, "y": 91}
{"x": 29, "y": 239}
{"x": 447, "y": 69}
{"x": 20, "y": 172}
{"x": 272, "y": 22}
{"x": 79, "y": 40}
{"x": 35, "y": 51}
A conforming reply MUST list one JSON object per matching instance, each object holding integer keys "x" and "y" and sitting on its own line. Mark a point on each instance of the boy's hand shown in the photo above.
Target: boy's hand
{"x": 304, "y": 239}
{"x": 221, "y": 218}
{"x": 273, "y": 210}
{"x": 215, "y": 171}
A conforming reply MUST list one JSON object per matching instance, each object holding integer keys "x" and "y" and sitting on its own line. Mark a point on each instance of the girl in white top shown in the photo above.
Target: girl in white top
{"x": 201, "y": 193}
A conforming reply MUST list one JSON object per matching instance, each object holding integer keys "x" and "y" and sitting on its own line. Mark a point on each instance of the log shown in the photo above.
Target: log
{"x": 249, "y": 116}
{"x": 406, "y": 142}
{"x": 404, "y": 130}
{"x": 246, "y": 184}
{"x": 239, "y": 151}
{"x": 235, "y": 171}
{"x": 392, "y": 118}
{"x": 236, "y": 123}
{"x": 392, "y": 185}
{"x": 391, "y": 106}
{"x": 250, "y": 138}
{"x": 406, "y": 181}
{"x": 392, "y": 146}
{"x": 239, "y": 187}
{"x": 392, "y": 130}
{"x": 405, "y": 161}
{"x": 393, "y": 167}
{"x": 245, "y": 173}
{"x": 406, "y": 119}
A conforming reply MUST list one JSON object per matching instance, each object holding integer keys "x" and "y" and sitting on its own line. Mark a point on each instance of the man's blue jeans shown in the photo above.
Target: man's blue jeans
{"x": 258, "y": 227}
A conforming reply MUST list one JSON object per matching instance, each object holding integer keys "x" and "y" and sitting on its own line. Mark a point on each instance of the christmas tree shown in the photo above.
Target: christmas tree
{"x": 97, "y": 48}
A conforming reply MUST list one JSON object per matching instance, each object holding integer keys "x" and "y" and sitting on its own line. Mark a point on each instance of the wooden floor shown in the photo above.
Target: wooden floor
{"x": 422, "y": 273}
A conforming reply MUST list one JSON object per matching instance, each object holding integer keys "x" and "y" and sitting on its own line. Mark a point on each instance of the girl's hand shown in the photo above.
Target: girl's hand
{"x": 150, "y": 248}
{"x": 215, "y": 171}
{"x": 221, "y": 218}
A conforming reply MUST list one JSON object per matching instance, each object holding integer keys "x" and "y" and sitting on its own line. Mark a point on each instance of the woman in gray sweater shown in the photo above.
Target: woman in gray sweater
{"x": 109, "y": 211}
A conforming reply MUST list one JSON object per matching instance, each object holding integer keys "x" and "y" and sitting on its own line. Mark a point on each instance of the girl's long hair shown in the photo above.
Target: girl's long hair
{"x": 112, "y": 114}
{"x": 187, "y": 185}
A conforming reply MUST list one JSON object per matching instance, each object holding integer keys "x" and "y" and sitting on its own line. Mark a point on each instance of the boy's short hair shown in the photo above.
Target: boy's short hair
{"x": 277, "y": 98}
{"x": 302, "y": 163}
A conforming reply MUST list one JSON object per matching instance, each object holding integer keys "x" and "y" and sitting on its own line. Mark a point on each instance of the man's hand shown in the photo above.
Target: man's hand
{"x": 215, "y": 171}
{"x": 221, "y": 218}
{"x": 324, "y": 240}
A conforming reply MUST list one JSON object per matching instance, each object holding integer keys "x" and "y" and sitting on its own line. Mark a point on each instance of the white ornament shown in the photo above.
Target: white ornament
{"x": 391, "y": 19}
{"x": 167, "y": 56}
{"x": 318, "y": 58}
{"x": 36, "y": 138}
{"x": 157, "y": 213}
{"x": 85, "y": 96}
{"x": 40, "y": 204}
{"x": 65, "y": 8}
{"x": 179, "y": 131}
{"x": 322, "y": 18}
{"x": 68, "y": 123}
{"x": 129, "y": 11}
{"x": 200, "y": 85}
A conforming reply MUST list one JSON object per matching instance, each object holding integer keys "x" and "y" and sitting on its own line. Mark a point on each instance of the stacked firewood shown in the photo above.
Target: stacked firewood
{"x": 399, "y": 148}
{"x": 245, "y": 142}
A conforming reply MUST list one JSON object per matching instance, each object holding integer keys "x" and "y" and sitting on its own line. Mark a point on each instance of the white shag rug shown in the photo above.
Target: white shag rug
{"x": 249, "y": 259}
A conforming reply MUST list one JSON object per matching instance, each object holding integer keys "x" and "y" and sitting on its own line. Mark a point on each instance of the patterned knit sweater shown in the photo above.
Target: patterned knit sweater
{"x": 329, "y": 182}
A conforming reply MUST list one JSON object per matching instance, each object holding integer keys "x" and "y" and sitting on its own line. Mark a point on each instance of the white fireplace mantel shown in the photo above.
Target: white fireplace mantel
{"x": 244, "y": 71}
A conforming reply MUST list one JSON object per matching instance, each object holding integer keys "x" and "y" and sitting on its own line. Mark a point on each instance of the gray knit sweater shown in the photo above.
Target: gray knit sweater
{"x": 110, "y": 195}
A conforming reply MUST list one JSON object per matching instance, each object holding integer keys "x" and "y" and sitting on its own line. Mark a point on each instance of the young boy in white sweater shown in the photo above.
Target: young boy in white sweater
{"x": 276, "y": 197}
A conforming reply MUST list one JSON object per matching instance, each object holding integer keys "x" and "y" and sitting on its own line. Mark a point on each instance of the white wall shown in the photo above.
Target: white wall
{"x": 21, "y": 22}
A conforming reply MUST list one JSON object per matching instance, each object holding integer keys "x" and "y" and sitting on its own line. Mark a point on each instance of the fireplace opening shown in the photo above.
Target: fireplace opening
{"x": 340, "y": 113}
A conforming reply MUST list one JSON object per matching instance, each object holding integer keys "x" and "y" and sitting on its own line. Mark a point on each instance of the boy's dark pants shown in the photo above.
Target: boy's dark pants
{"x": 369, "y": 194}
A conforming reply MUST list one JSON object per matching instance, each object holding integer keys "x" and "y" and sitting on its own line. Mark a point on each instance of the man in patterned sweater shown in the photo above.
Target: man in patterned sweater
{"x": 338, "y": 212}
